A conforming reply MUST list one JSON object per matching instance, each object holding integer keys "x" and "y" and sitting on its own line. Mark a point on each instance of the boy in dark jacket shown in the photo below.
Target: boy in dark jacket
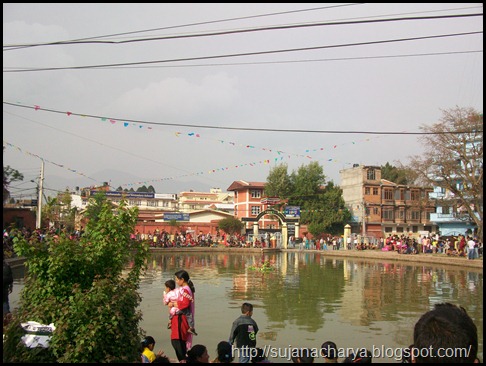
{"x": 243, "y": 332}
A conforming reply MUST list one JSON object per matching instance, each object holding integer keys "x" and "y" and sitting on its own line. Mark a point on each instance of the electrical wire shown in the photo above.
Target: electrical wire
{"x": 296, "y": 61}
{"x": 246, "y": 53}
{"x": 249, "y": 30}
{"x": 37, "y": 108}
{"x": 187, "y": 25}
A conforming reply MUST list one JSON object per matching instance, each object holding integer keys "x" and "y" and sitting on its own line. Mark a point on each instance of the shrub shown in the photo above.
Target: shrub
{"x": 82, "y": 287}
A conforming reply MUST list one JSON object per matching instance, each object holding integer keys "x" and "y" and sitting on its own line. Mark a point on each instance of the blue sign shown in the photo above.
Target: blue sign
{"x": 176, "y": 216}
{"x": 292, "y": 211}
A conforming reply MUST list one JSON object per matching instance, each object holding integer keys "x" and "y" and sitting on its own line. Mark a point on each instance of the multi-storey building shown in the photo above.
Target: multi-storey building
{"x": 380, "y": 207}
{"x": 451, "y": 216}
{"x": 195, "y": 201}
{"x": 250, "y": 202}
{"x": 194, "y": 211}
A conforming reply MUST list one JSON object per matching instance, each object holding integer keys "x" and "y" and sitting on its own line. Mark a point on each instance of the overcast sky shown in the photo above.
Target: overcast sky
{"x": 203, "y": 117}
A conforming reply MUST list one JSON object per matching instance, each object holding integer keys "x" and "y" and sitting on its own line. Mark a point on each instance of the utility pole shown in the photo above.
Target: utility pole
{"x": 39, "y": 200}
{"x": 363, "y": 216}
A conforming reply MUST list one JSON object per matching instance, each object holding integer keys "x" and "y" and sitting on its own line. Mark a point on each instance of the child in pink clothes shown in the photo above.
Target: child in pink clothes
{"x": 171, "y": 294}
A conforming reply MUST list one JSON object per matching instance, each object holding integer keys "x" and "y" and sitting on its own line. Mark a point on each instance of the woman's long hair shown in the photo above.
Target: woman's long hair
{"x": 185, "y": 276}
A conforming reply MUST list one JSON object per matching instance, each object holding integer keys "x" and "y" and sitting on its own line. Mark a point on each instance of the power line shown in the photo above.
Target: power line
{"x": 248, "y": 30}
{"x": 37, "y": 108}
{"x": 245, "y": 54}
{"x": 300, "y": 61}
{"x": 193, "y": 24}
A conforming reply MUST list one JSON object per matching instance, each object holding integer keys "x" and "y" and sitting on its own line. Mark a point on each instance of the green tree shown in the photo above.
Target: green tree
{"x": 67, "y": 212}
{"x": 50, "y": 210}
{"x": 58, "y": 211}
{"x": 78, "y": 285}
{"x": 151, "y": 189}
{"x": 398, "y": 175}
{"x": 10, "y": 175}
{"x": 142, "y": 189}
{"x": 278, "y": 182}
{"x": 453, "y": 160}
{"x": 322, "y": 205}
{"x": 230, "y": 225}
{"x": 308, "y": 183}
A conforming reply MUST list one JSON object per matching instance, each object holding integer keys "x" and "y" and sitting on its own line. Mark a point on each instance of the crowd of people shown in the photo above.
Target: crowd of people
{"x": 445, "y": 327}
{"x": 461, "y": 245}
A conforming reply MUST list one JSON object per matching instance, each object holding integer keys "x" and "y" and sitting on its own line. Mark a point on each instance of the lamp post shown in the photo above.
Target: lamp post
{"x": 39, "y": 197}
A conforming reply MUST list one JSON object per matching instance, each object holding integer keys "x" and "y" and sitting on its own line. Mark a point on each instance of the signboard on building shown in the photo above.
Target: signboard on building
{"x": 292, "y": 211}
{"x": 126, "y": 194}
{"x": 270, "y": 200}
{"x": 167, "y": 196}
{"x": 290, "y": 229}
{"x": 178, "y": 216}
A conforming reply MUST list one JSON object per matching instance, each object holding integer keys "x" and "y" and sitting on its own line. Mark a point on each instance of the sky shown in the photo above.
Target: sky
{"x": 186, "y": 96}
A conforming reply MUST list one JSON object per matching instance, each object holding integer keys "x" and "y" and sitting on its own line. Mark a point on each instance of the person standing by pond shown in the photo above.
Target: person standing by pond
{"x": 243, "y": 332}
{"x": 185, "y": 303}
{"x": 7, "y": 286}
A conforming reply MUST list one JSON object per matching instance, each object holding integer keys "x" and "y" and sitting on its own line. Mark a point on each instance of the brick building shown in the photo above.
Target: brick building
{"x": 380, "y": 207}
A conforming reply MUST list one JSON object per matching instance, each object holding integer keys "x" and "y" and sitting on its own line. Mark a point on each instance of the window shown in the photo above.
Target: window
{"x": 399, "y": 229}
{"x": 376, "y": 211}
{"x": 388, "y": 194}
{"x": 256, "y": 194}
{"x": 135, "y": 202}
{"x": 153, "y": 203}
{"x": 415, "y": 215}
{"x": 388, "y": 229}
{"x": 446, "y": 210}
{"x": 370, "y": 174}
{"x": 415, "y": 195}
{"x": 367, "y": 191}
{"x": 401, "y": 214}
{"x": 375, "y": 191}
{"x": 255, "y": 210}
{"x": 388, "y": 213}
{"x": 414, "y": 229}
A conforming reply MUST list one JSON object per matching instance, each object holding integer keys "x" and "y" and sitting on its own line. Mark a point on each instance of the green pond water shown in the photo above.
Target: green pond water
{"x": 306, "y": 299}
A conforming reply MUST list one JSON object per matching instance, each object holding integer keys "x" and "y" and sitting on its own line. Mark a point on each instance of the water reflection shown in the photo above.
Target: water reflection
{"x": 311, "y": 298}
{"x": 308, "y": 298}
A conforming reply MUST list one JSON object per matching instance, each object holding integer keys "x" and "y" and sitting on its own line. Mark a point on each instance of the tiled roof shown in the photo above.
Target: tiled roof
{"x": 241, "y": 184}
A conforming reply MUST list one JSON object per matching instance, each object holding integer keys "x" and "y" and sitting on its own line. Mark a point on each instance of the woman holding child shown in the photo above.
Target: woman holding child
{"x": 182, "y": 323}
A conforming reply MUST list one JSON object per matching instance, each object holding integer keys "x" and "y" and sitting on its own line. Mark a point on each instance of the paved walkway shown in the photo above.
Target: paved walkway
{"x": 365, "y": 254}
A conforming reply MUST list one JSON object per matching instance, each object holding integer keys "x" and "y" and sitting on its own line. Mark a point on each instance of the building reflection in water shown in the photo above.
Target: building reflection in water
{"x": 312, "y": 298}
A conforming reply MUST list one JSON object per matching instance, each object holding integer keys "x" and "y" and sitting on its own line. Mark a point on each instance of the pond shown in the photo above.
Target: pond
{"x": 306, "y": 299}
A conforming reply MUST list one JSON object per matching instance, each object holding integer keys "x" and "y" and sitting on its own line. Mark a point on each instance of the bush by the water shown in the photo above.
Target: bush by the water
{"x": 83, "y": 288}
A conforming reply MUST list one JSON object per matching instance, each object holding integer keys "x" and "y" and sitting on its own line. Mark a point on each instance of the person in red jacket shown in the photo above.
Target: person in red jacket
{"x": 185, "y": 318}
{"x": 179, "y": 335}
